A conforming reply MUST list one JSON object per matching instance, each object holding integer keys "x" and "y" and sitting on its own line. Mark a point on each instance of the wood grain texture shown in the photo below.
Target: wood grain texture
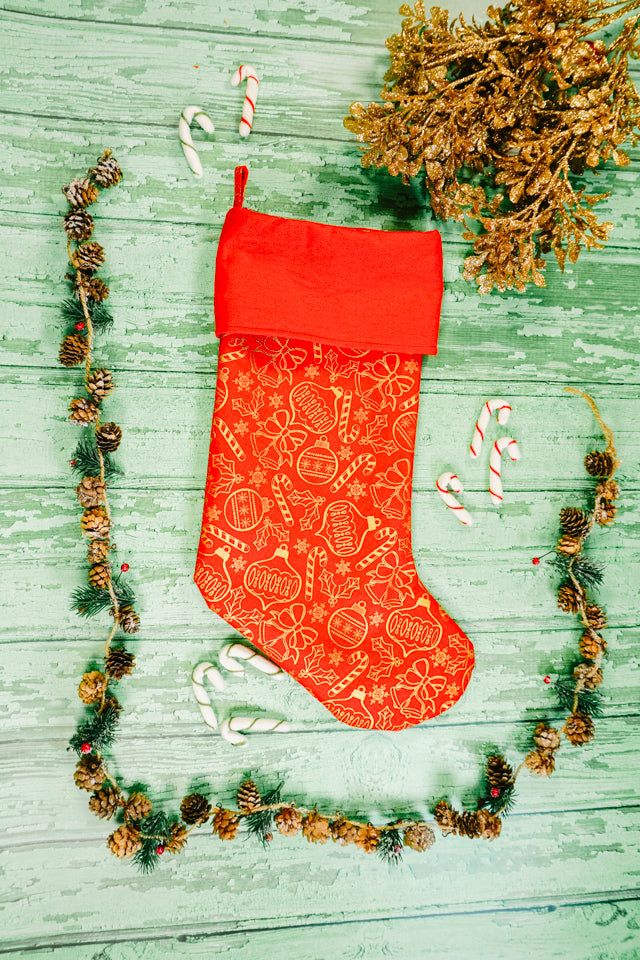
{"x": 562, "y": 884}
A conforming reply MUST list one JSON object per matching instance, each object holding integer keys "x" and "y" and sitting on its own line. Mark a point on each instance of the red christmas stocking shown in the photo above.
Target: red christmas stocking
{"x": 306, "y": 535}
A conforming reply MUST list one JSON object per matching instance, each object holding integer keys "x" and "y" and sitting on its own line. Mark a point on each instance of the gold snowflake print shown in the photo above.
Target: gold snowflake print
{"x": 452, "y": 689}
{"x": 258, "y": 477}
{"x": 275, "y": 400}
{"x": 313, "y": 371}
{"x": 410, "y": 365}
{"x": 301, "y": 546}
{"x": 213, "y": 513}
{"x": 440, "y": 657}
{"x": 343, "y": 567}
{"x": 375, "y": 619}
{"x": 243, "y": 381}
{"x": 335, "y": 657}
{"x": 378, "y": 693}
{"x": 238, "y": 564}
{"x": 361, "y": 415}
{"x": 318, "y": 611}
{"x": 345, "y": 453}
{"x": 241, "y": 427}
{"x": 356, "y": 490}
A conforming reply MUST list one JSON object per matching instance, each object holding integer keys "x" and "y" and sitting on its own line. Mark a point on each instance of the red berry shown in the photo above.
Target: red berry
{"x": 268, "y": 837}
{"x": 80, "y": 325}
{"x": 85, "y": 747}
{"x": 495, "y": 791}
{"x": 546, "y": 679}
{"x": 124, "y": 567}
{"x": 160, "y": 849}
{"x": 73, "y": 463}
{"x": 535, "y": 561}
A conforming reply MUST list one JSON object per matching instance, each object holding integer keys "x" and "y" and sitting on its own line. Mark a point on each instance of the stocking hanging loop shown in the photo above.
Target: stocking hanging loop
{"x": 240, "y": 183}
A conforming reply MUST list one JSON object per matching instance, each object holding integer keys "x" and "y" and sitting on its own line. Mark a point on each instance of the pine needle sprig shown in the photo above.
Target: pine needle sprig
{"x": 590, "y": 702}
{"x": 589, "y": 573}
{"x": 98, "y": 730}
{"x": 390, "y": 846}
{"x": 155, "y": 831}
{"x": 101, "y": 316}
{"x": 88, "y": 601}
{"x": 259, "y": 824}
{"x": 87, "y": 462}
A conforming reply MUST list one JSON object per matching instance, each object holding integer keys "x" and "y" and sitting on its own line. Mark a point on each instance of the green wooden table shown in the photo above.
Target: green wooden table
{"x": 563, "y": 880}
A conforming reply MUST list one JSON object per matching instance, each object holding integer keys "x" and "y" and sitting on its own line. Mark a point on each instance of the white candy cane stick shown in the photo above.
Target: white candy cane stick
{"x": 211, "y": 673}
{"x": 389, "y": 536}
{"x": 495, "y": 465}
{"x": 502, "y": 408}
{"x": 344, "y": 435}
{"x": 279, "y": 484}
{"x": 365, "y": 460}
{"x": 446, "y": 480}
{"x": 316, "y": 557}
{"x": 188, "y": 115}
{"x": 230, "y": 729}
{"x": 232, "y": 653}
{"x": 227, "y": 538}
{"x": 245, "y": 72}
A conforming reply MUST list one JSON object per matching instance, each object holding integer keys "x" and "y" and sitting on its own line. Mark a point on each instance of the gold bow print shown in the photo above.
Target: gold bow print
{"x": 295, "y": 635}
{"x": 390, "y": 383}
{"x": 416, "y": 692}
{"x": 283, "y": 358}
{"x": 390, "y": 582}
{"x": 275, "y": 442}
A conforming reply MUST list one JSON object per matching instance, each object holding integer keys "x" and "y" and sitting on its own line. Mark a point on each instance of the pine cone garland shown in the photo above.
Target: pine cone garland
{"x": 80, "y": 192}
{"x": 97, "y": 550}
{"x": 469, "y": 824}
{"x": 592, "y": 645}
{"x": 177, "y": 839}
{"x": 419, "y": 837}
{"x": 82, "y": 411}
{"x": 546, "y": 738}
{"x": 499, "y": 773}
{"x": 540, "y": 762}
{"x": 570, "y": 598}
{"x": 589, "y": 675}
{"x": 100, "y": 575}
{"x": 73, "y": 350}
{"x": 315, "y": 827}
{"x": 99, "y": 384}
{"x": 288, "y": 821}
{"x": 107, "y": 172}
{"x": 95, "y": 289}
{"x": 78, "y": 224}
{"x": 343, "y": 832}
{"x": 125, "y": 841}
{"x": 89, "y": 773}
{"x": 87, "y": 256}
{"x": 120, "y": 663}
{"x": 138, "y": 806}
{"x": 195, "y": 809}
{"x": 92, "y": 686}
{"x": 599, "y": 463}
{"x": 489, "y": 823}
{"x": 225, "y": 823}
{"x": 105, "y": 803}
{"x": 568, "y": 545}
{"x": 368, "y": 838}
{"x": 445, "y": 816}
{"x": 608, "y": 489}
{"x": 95, "y": 523}
{"x": 574, "y": 522}
{"x": 248, "y": 796}
{"x": 108, "y": 437}
{"x": 91, "y": 492}
{"x": 128, "y": 619}
{"x": 579, "y": 728}
{"x": 596, "y": 617}
{"x": 604, "y": 512}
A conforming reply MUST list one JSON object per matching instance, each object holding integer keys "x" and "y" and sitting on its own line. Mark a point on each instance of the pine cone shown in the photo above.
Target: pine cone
{"x": 599, "y": 463}
{"x": 499, "y": 773}
{"x": 604, "y": 512}
{"x": 608, "y": 489}
{"x": 107, "y": 172}
{"x": 568, "y": 545}
{"x": 490, "y": 825}
{"x": 570, "y": 598}
{"x": 104, "y": 803}
{"x": 95, "y": 523}
{"x": 91, "y": 492}
{"x": 546, "y": 738}
{"x": 589, "y": 675}
{"x": 419, "y": 837}
{"x": 368, "y": 838}
{"x": 92, "y": 686}
{"x": 99, "y": 384}
{"x": 248, "y": 796}
{"x": 78, "y": 224}
{"x": 195, "y": 809}
{"x": 445, "y": 817}
{"x": 97, "y": 550}
{"x": 120, "y": 663}
{"x": 100, "y": 575}
{"x": 82, "y": 411}
{"x": 343, "y": 832}
{"x": 225, "y": 823}
{"x": 288, "y": 821}
{"x": 541, "y": 762}
{"x": 592, "y": 645}
{"x": 128, "y": 619}
{"x": 89, "y": 773}
{"x": 596, "y": 617}
{"x": 125, "y": 841}
{"x": 87, "y": 256}
{"x": 73, "y": 350}
{"x": 81, "y": 192}
{"x": 574, "y": 522}
{"x": 95, "y": 289}
{"x": 108, "y": 437}
{"x": 138, "y": 806}
{"x": 177, "y": 839}
{"x": 469, "y": 824}
{"x": 315, "y": 827}
{"x": 579, "y": 728}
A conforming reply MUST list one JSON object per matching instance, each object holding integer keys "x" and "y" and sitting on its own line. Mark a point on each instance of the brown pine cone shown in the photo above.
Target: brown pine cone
{"x": 469, "y": 824}
{"x": 195, "y": 809}
{"x": 546, "y": 738}
{"x": 97, "y": 550}
{"x": 579, "y": 728}
{"x": 95, "y": 289}
{"x": 87, "y": 256}
{"x": 78, "y": 224}
{"x": 104, "y": 803}
{"x": 107, "y": 172}
{"x": 499, "y": 773}
{"x": 599, "y": 463}
{"x": 419, "y": 837}
{"x": 91, "y": 492}
{"x": 288, "y": 821}
{"x": 92, "y": 686}
{"x": 120, "y": 663}
{"x": 81, "y": 192}
{"x": 99, "y": 384}
{"x": 125, "y": 841}
{"x": 128, "y": 619}
{"x": 568, "y": 545}
{"x": 177, "y": 839}
{"x": 445, "y": 817}
{"x": 315, "y": 827}
{"x": 248, "y": 796}
{"x": 225, "y": 823}
{"x": 343, "y": 832}
{"x": 138, "y": 806}
{"x": 596, "y": 617}
{"x": 89, "y": 773}
{"x": 589, "y": 675}
{"x": 604, "y": 512}
{"x": 541, "y": 762}
{"x": 82, "y": 411}
{"x": 73, "y": 350}
{"x": 574, "y": 522}
{"x": 570, "y": 598}
{"x": 108, "y": 437}
{"x": 368, "y": 838}
{"x": 95, "y": 523}
{"x": 592, "y": 645}
{"x": 608, "y": 489}
{"x": 490, "y": 824}
{"x": 100, "y": 575}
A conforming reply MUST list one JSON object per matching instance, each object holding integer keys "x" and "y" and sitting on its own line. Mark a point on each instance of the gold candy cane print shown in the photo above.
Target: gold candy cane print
{"x": 317, "y": 353}
{"x": 238, "y": 354}
{"x": 226, "y": 538}
{"x": 365, "y": 460}
{"x": 410, "y": 402}
{"x": 388, "y": 536}
{"x": 345, "y": 435}
{"x": 317, "y": 557}
{"x": 227, "y": 435}
{"x": 279, "y": 484}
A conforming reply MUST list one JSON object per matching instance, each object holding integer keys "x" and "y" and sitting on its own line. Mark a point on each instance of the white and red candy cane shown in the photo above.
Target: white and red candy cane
{"x": 245, "y": 72}
{"x": 503, "y": 410}
{"x": 501, "y": 445}
{"x": 317, "y": 557}
{"x": 451, "y": 480}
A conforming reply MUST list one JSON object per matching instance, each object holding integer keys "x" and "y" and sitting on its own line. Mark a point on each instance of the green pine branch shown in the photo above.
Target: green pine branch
{"x": 589, "y": 701}
{"x": 99, "y": 729}
{"x": 86, "y": 461}
{"x": 155, "y": 830}
{"x": 88, "y": 601}
{"x": 101, "y": 317}
{"x": 390, "y": 846}
{"x": 259, "y": 824}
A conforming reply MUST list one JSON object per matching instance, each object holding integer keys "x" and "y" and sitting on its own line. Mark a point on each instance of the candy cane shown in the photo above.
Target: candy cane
{"x": 446, "y": 480}
{"x": 232, "y": 355}
{"x": 231, "y": 653}
{"x": 227, "y": 538}
{"x": 317, "y": 353}
{"x": 245, "y": 72}
{"x": 410, "y": 402}
{"x": 389, "y": 536}
{"x": 502, "y": 408}
{"x": 201, "y": 672}
{"x": 316, "y": 557}
{"x": 226, "y": 433}
{"x": 188, "y": 115}
{"x": 495, "y": 465}
{"x": 230, "y": 728}
{"x": 281, "y": 482}
{"x": 365, "y": 460}
{"x": 346, "y": 437}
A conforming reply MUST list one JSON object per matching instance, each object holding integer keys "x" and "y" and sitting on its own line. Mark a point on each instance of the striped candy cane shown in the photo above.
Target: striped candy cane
{"x": 502, "y": 408}
{"x": 226, "y": 433}
{"x": 282, "y": 483}
{"x": 365, "y": 460}
{"x": 317, "y": 353}
{"x": 317, "y": 557}
{"x": 211, "y": 673}
{"x": 232, "y": 653}
{"x": 245, "y": 72}
{"x": 388, "y": 536}
{"x": 446, "y": 480}
{"x": 230, "y": 729}
{"x": 495, "y": 466}
{"x": 226, "y": 538}
{"x": 345, "y": 411}
{"x": 188, "y": 115}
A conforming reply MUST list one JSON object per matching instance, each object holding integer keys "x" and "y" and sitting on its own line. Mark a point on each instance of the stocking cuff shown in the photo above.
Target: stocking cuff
{"x": 348, "y": 286}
